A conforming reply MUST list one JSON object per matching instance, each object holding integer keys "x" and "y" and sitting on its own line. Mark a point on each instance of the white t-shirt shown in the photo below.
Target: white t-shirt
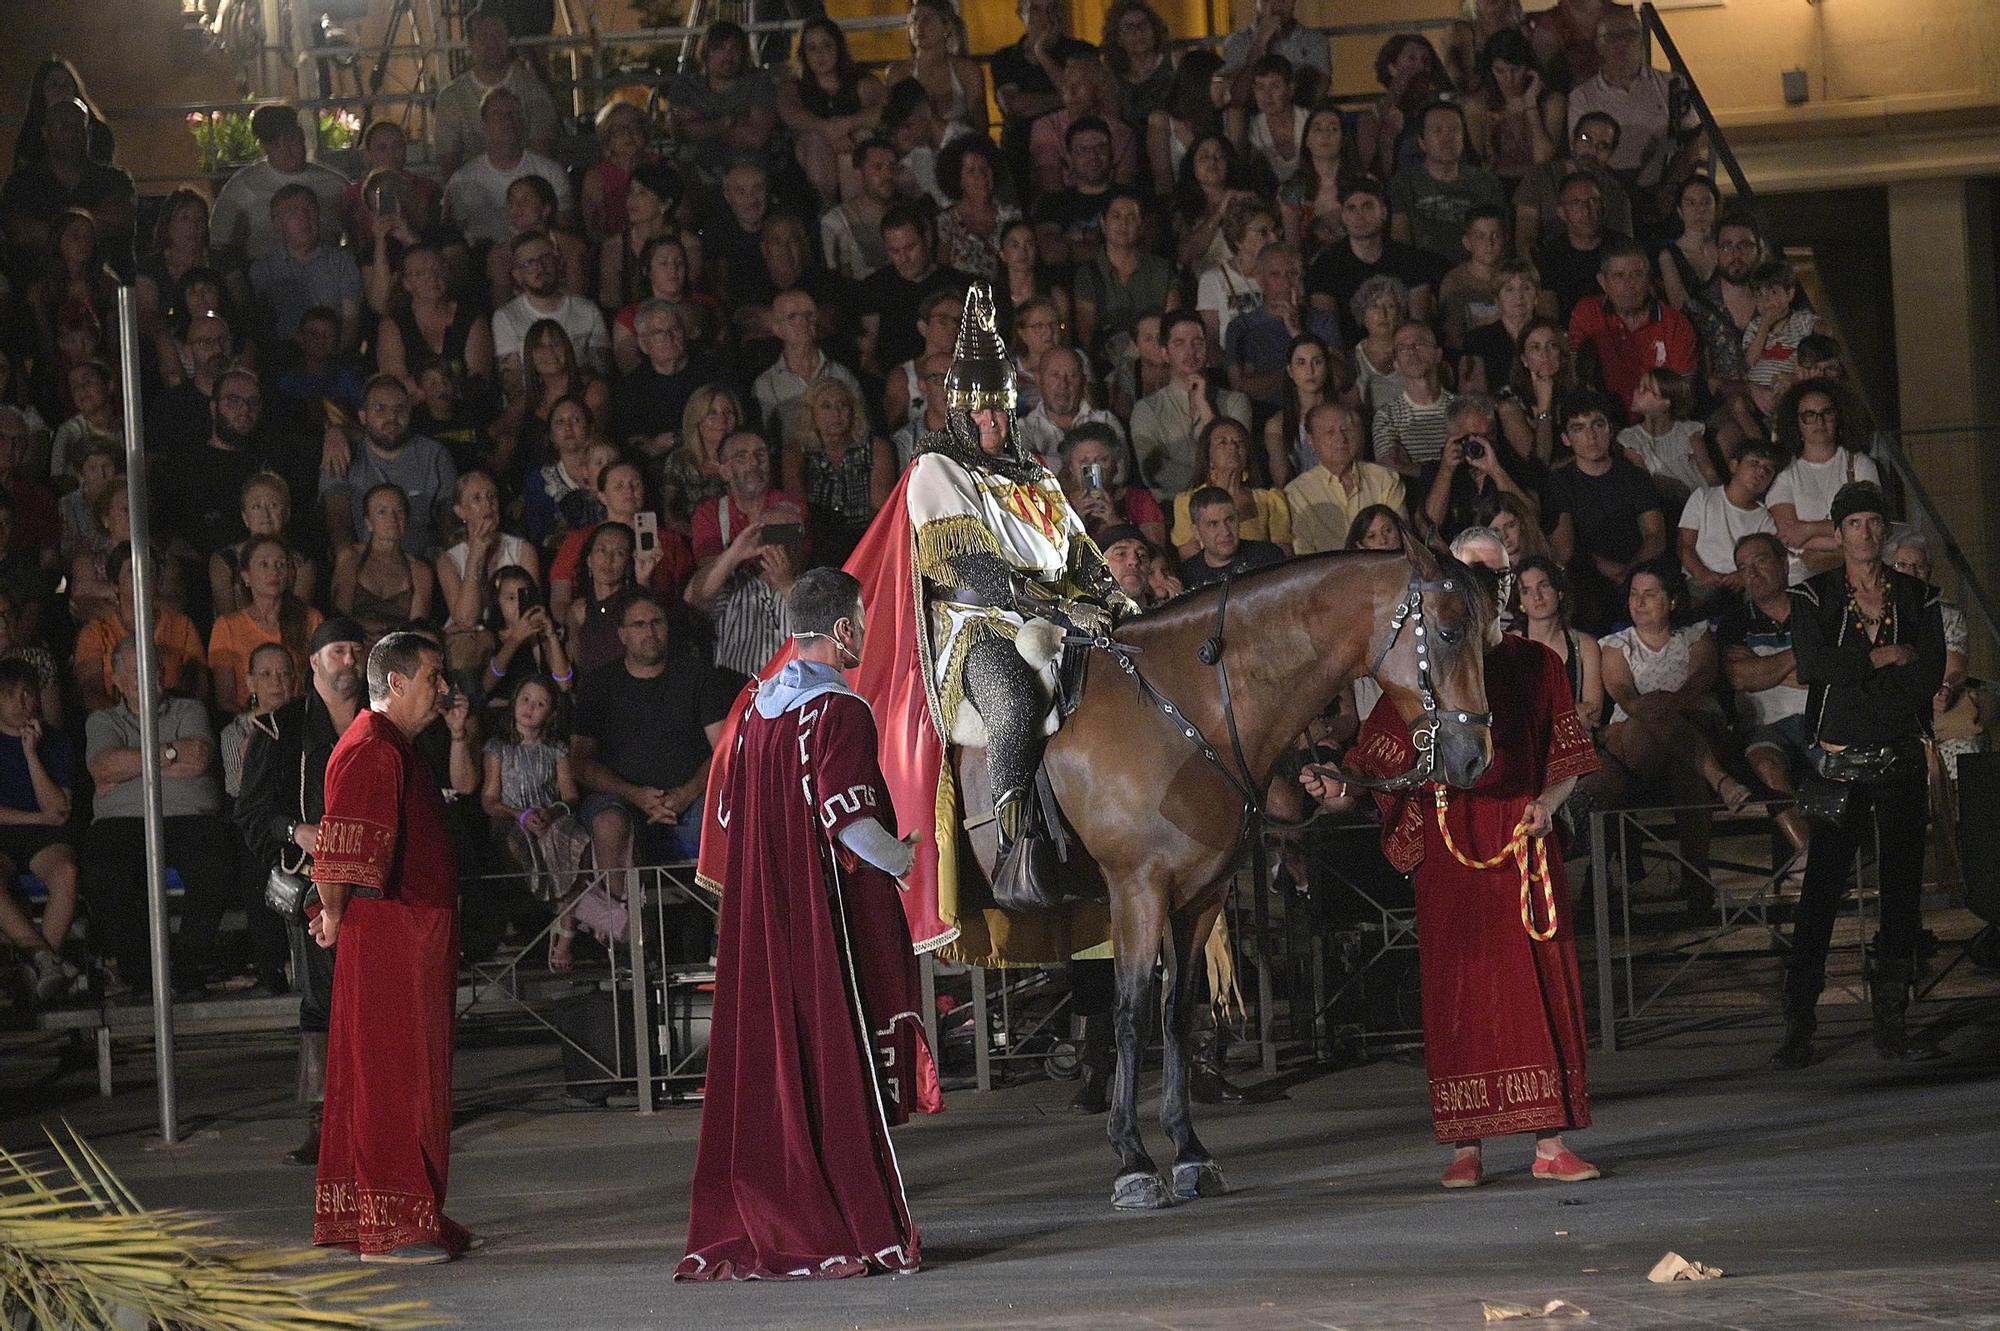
{"x": 1809, "y": 487}
{"x": 1224, "y": 289}
{"x": 476, "y": 197}
{"x": 580, "y": 318}
{"x": 1656, "y": 672}
{"x": 1718, "y": 525}
{"x": 1670, "y": 455}
{"x": 242, "y": 215}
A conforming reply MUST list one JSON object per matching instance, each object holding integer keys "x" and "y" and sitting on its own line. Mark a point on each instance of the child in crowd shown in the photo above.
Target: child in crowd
{"x": 98, "y": 419}
{"x": 529, "y": 791}
{"x": 1666, "y": 443}
{"x": 1470, "y": 295}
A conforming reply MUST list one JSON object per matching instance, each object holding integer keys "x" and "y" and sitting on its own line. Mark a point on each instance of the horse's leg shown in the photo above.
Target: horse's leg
{"x": 1195, "y": 1174}
{"x": 1136, "y": 921}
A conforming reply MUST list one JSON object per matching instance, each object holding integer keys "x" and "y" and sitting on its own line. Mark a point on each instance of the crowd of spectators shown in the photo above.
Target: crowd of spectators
{"x": 586, "y": 404}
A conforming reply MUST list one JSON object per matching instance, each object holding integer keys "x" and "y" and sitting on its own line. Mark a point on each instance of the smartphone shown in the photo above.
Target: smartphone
{"x": 783, "y": 533}
{"x": 646, "y": 529}
{"x": 1093, "y": 476}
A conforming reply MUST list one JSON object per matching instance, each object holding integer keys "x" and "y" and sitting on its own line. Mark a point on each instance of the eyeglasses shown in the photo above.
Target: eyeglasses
{"x": 533, "y": 260}
{"x": 1818, "y": 416}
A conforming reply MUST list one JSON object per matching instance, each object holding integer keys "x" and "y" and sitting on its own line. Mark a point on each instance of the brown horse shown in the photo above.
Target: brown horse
{"x": 1165, "y": 823}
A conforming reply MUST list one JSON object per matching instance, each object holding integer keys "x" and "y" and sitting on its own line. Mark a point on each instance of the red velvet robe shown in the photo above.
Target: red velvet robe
{"x": 385, "y": 1141}
{"x": 1503, "y": 1014}
{"x": 816, "y": 1045}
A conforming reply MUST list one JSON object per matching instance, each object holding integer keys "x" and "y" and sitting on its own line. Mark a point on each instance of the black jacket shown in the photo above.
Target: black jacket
{"x": 284, "y": 780}
{"x": 1849, "y": 699}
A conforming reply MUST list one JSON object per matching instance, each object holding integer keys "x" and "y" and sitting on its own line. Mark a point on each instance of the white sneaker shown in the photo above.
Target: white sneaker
{"x": 52, "y": 978}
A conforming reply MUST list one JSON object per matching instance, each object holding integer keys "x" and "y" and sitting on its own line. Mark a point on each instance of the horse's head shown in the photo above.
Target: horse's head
{"x": 1431, "y": 661}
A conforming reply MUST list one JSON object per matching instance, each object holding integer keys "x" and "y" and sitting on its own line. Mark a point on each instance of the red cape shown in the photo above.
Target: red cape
{"x": 891, "y": 678}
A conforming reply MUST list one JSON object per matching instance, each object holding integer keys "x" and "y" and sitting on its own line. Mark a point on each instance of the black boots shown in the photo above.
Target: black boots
{"x": 1889, "y": 996}
{"x": 1795, "y": 1051}
{"x": 1024, "y": 872}
{"x": 311, "y": 1093}
{"x": 1092, "y": 1035}
{"x": 1206, "y": 1084}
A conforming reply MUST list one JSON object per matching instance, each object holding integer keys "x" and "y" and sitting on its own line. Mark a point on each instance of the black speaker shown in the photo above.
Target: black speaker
{"x": 1978, "y": 815}
{"x": 599, "y": 1057}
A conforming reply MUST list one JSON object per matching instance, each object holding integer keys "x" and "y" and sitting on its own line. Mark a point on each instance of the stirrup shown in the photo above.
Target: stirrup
{"x": 1010, "y": 812}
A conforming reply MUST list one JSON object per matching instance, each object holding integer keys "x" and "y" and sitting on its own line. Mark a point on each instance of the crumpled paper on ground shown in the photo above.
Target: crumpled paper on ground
{"x": 1674, "y": 1267}
{"x": 1501, "y": 1312}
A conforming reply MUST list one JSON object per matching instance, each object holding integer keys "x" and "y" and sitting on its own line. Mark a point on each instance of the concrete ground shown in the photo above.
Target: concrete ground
{"x": 1855, "y": 1194}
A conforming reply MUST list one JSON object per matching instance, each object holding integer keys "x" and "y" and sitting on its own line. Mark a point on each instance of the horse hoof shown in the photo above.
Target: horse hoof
{"x": 1198, "y": 1178}
{"x": 1140, "y": 1192}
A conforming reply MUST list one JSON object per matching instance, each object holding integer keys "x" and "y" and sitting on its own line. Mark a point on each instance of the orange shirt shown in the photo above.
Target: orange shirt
{"x": 236, "y": 637}
{"x": 175, "y": 636}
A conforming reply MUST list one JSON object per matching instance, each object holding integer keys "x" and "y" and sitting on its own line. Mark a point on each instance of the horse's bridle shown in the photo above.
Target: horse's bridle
{"x": 1410, "y": 611}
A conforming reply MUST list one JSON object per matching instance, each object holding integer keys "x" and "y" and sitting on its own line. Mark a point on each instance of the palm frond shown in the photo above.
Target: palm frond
{"x": 78, "y": 1251}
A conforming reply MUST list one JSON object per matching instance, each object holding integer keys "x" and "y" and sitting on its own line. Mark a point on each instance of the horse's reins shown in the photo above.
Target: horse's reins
{"x": 1212, "y": 652}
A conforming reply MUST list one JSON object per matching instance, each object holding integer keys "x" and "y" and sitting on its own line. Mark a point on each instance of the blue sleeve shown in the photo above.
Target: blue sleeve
{"x": 59, "y": 759}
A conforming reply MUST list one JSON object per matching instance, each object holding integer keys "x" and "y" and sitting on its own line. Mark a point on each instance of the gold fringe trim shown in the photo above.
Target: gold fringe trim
{"x": 1223, "y": 990}
{"x": 940, "y": 539}
{"x": 987, "y": 623}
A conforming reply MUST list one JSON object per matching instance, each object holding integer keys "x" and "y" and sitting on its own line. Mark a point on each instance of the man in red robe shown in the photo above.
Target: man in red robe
{"x": 816, "y": 1044}
{"x": 388, "y": 884}
{"x": 1502, "y": 1004}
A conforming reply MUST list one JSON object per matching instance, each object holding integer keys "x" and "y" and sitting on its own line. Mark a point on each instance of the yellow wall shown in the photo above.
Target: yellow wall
{"x": 1906, "y": 52}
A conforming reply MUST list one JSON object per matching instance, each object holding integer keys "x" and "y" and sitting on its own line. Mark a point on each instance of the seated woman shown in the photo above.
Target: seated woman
{"x": 1378, "y": 527}
{"x": 35, "y": 835}
{"x": 592, "y": 619}
{"x": 953, "y": 82}
{"x": 549, "y": 373}
{"x": 1222, "y": 458}
{"x": 430, "y": 324}
{"x": 973, "y": 176}
{"x": 844, "y": 470}
{"x": 1096, "y": 479}
{"x": 1038, "y": 330}
{"x": 96, "y": 468}
{"x": 546, "y": 505}
{"x": 182, "y": 659}
{"x": 528, "y": 640}
{"x": 465, "y": 570}
{"x": 830, "y": 104}
{"x": 16, "y": 645}
{"x": 693, "y": 471}
{"x": 1515, "y": 121}
{"x": 1544, "y": 592}
{"x": 651, "y": 210}
{"x": 532, "y": 206}
{"x": 267, "y": 511}
{"x": 1544, "y": 376}
{"x": 376, "y": 581}
{"x": 1022, "y": 277}
{"x": 1662, "y": 678}
{"x": 271, "y": 614}
{"x": 621, "y": 146}
{"x": 666, "y": 268}
{"x": 1380, "y": 305}
{"x": 530, "y": 793}
{"x": 1273, "y": 137}
{"x": 662, "y": 560}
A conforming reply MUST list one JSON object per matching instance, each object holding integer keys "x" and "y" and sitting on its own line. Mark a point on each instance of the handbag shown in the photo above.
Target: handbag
{"x": 285, "y": 892}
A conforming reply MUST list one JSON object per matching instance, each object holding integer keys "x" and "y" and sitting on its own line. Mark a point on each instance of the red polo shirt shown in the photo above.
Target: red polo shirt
{"x": 1625, "y": 354}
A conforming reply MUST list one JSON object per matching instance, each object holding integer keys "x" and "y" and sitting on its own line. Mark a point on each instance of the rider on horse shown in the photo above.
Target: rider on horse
{"x": 1004, "y": 565}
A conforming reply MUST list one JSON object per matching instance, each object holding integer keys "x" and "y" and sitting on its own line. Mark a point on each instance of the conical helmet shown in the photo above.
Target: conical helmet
{"x": 981, "y": 374}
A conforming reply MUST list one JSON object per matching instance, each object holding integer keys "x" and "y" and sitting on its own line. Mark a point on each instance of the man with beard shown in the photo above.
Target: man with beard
{"x": 538, "y": 275}
{"x": 388, "y": 886}
{"x": 741, "y": 575}
{"x": 177, "y": 418}
{"x": 201, "y": 491}
{"x": 1136, "y": 566}
{"x": 278, "y": 814}
{"x": 1502, "y": 1004}
{"x": 386, "y": 453}
{"x": 1366, "y": 251}
{"x": 888, "y": 335}
{"x": 1722, "y": 307}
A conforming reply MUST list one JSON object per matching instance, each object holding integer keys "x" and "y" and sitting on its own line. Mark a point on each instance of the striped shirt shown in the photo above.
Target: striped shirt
{"x": 1419, "y": 429}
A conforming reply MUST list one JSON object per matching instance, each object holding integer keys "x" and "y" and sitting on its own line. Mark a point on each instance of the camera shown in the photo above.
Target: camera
{"x": 1474, "y": 449}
